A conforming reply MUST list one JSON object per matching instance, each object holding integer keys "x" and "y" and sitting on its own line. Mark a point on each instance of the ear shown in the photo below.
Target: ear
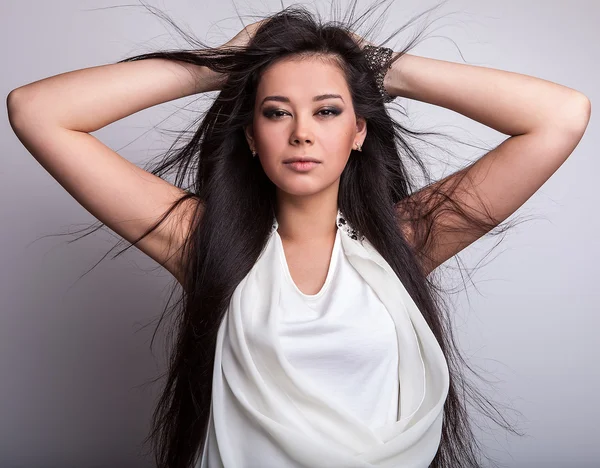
{"x": 249, "y": 133}
{"x": 361, "y": 128}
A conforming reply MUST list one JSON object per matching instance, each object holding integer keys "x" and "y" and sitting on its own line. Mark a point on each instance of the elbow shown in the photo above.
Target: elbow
{"x": 578, "y": 114}
{"x": 570, "y": 119}
{"x": 11, "y": 108}
{"x": 15, "y": 104}
{"x": 15, "y": 99}
{"x": 23, "y": 109}
{"x": 11, "y": 101}
{"x": 588, "y": 109}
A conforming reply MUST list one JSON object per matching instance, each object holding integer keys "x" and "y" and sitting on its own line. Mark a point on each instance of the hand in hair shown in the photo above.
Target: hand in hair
{"x": 361, "y": 41}
{"x": 244, "y": 36}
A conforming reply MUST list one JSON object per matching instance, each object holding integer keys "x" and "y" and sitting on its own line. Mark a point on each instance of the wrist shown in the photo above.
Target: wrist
{"x": 211, "y": 80}
{"x": 394, "y": 81}
{"x": 203, "y": 79}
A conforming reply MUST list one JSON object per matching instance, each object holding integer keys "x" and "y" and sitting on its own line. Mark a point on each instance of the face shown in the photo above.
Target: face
{"x": 295, "y": 124}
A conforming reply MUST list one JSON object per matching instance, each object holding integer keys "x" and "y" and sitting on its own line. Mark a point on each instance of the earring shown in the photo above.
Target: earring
{"x": 358, "y": 147}
{"x": 253, "y": 153}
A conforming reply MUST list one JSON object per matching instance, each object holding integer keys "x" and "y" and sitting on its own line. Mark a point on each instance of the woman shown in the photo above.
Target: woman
{"x": 309, "y": 332}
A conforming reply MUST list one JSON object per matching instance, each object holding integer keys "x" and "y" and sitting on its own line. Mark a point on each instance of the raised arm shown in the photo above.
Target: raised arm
{"x": 546, "y": 121}
{"x": 53, "y": 119}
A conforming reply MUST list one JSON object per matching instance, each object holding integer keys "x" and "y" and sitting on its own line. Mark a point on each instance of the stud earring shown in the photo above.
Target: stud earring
{"x": 358, "y": 147}
{"x": 253, "y": 153}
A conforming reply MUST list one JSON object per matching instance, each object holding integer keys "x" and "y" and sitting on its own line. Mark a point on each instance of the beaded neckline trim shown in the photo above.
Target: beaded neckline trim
{"x": 341, "y": 222}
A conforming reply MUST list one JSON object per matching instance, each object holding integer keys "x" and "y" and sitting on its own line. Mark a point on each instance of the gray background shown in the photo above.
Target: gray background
{"x": 74, "y": 357}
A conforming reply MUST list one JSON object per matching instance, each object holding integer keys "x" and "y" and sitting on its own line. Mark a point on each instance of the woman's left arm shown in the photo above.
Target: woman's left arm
{"x": 545, "y": 122}
{"x": 511, "y": 103}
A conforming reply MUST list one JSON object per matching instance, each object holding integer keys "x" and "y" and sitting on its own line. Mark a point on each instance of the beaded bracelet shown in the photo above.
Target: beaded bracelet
{"x": 378, "y": 60}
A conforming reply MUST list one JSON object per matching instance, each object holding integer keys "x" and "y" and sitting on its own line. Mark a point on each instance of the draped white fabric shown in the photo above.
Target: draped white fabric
{"x": 261, "y": 403}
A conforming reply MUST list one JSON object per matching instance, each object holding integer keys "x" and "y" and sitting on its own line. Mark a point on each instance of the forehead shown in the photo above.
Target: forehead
{"x": 301, "y": 79}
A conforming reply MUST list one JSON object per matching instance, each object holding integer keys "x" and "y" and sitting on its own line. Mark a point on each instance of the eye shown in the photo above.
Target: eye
{"x": 271, "y": 114}
{"x": 333, "y": 111}
{"x": 275, "y": 114}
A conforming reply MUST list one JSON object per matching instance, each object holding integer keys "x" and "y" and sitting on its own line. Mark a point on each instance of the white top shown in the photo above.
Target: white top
{"x": 284, "y": 395}
{"x": 342, "y": 340}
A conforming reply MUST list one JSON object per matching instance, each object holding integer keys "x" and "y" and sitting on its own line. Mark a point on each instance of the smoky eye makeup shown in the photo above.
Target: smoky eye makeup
{"x": 275, "y": 113}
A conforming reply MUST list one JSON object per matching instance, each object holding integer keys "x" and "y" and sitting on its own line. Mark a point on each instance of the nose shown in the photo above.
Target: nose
{"x": 302, "y": 133}
{"x": 304, "y": 139}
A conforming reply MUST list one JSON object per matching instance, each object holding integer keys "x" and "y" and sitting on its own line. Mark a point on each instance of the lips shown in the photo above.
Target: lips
{"x": 301, "y": 159}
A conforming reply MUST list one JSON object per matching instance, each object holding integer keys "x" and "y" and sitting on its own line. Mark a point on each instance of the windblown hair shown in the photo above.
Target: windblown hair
{"x": 233, "y": 205}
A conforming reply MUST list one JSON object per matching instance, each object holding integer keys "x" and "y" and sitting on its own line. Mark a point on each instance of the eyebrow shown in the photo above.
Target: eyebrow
{"x": 320, "y": 97}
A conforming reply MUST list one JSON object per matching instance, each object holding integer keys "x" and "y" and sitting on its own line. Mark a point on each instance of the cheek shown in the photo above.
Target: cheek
{"x": 339, "y": 147}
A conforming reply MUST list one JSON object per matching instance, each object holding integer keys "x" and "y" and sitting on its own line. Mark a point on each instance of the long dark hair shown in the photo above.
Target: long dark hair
{"x": 235, "y": 204}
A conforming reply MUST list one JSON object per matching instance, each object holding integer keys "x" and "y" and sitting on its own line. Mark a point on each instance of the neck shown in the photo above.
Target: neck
{"x": 304, "y": 218}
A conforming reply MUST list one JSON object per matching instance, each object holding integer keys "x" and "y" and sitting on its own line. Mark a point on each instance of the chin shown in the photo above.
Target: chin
{"x": 302, "y": 192}
{"x": 300, "y": 188}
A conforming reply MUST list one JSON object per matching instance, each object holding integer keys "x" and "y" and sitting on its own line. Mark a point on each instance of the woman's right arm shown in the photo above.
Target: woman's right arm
{"x": 53, "y": 118}
{"x": 87, "y": 100}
